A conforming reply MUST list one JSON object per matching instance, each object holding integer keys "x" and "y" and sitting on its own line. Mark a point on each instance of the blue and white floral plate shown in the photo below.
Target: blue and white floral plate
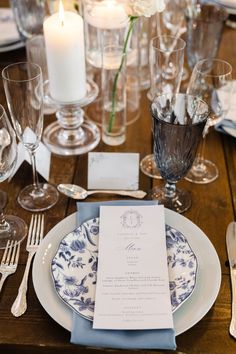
{"x": 74, "y": 267}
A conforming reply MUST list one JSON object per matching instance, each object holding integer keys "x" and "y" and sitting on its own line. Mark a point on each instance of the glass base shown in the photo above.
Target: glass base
{"x": 202, "y": 172}
{"x": 44, "y": 200}
{"x": 180, "y": 203}
{"x": 113, "y": 140}
{"x": 148, "y": 167}
{"x": 83, "y": 140}
{"x": 16, "y": 232}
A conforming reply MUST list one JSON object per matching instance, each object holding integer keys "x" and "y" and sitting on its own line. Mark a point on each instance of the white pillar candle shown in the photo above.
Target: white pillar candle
{"x": 107, "y": 14}
{"x": 64, "y": 38}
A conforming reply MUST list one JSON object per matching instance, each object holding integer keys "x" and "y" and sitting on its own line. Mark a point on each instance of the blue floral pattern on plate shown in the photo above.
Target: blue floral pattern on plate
{"x": 74, "y": 267}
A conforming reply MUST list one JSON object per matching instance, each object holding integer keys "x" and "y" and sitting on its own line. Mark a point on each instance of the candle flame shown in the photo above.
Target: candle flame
{"x": 61, "y": 13}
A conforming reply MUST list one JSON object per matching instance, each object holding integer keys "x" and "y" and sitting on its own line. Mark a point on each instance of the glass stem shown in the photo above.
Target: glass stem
{"x": 170, "y": 190}
{"x": 201, "y": 153}
{"x": 4, "y": 226}
{"x": 35, "y": 176}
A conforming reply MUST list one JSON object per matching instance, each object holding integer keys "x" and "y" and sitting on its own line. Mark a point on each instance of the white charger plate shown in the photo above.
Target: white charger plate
{"x": 9, "y": 38}
{"x": 185, "y": 317}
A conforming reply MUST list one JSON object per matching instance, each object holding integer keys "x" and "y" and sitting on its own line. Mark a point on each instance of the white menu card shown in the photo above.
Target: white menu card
{"x": 132, "y": 289}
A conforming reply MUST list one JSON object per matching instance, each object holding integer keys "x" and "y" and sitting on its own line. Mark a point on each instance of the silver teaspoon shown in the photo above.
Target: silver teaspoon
{"x": 79, "y": 193}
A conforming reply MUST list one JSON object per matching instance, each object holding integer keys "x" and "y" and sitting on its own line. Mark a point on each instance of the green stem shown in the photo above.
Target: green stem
{"x": 114, "y": 86}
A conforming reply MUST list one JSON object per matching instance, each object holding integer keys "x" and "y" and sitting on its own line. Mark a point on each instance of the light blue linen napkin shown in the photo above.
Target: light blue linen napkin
{"x": 82, "y": 331}
{"x": 224, "y": 124}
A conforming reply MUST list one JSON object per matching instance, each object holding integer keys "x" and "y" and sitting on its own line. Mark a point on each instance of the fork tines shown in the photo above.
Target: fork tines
{"x": 11, "y": 253}
{"x": 36, "y": 229}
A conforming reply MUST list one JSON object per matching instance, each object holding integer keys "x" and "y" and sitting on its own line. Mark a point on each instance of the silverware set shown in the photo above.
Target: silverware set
{"x": 10, "y": 259}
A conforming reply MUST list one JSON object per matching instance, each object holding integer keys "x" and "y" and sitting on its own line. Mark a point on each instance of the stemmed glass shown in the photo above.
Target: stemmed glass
{"x": 173, "y": 20}
{"x": 11, "y": 227}
{"x": 205, "y": 23}
{"x": 211, "y": 80}
{"x": 166, "y": 59}
{"x": 23, "y": 86}
{"x": 178, "y": 123}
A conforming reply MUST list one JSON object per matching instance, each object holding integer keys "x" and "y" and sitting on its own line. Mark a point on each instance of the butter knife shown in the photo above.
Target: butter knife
{"x": 231, "y": 249}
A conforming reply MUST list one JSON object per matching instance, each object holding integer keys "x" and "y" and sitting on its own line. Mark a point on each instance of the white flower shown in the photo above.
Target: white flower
{"x": 145, "y": 8}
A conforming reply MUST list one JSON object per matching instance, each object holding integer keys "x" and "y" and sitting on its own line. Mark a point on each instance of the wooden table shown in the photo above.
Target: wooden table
{"x": 213, "y": 207}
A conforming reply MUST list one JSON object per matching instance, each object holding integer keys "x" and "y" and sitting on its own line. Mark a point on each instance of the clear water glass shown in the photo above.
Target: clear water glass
{"x": 29, "y": 16}
{"x": 205, "y": 23}
{"x": 166, "y": 59}
{"x": 211, "y": 80}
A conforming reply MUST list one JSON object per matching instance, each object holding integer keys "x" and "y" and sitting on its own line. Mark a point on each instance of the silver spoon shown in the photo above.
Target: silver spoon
{"x": 77, "y": 192}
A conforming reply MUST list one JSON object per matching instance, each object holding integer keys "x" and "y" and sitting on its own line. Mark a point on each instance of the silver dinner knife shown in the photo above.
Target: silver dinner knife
{"x": 231, "y": 249}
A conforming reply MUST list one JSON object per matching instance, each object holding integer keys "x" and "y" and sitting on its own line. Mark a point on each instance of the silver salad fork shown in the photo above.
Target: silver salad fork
{"x": 35, "y": 235}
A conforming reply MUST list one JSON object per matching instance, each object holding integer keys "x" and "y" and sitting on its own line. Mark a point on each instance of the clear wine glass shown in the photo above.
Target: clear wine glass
{"x": 166, "y": 59}
{"x": 205, "y": 23}
{"x": 11, "y": 227}
{"x": 178, "y": 123}
{"x": 211, "y": 80}
{"x": 23, "y": 86}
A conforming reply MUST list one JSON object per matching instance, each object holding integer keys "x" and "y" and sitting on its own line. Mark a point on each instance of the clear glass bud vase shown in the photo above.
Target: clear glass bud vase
{"x": 113, "y": 95}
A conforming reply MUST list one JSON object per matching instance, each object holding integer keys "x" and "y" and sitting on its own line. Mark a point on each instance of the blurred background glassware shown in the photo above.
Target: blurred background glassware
{"x": 211, "y": 80}
{"x": 178, "y": 123}
{"x": 172, "y": 21}
{"x": 205, "y": 23}
{"x": 23, "y": 85}
{"x": 11, "y": 227}
{"x": 147, "y": 29}
{"x": 106, "y": 24}
{"x": 113, "y": 97}
{"x": 166, "y": 61}
{"x": 68, "y": 5}
{"x": 36, "y": 53}
{"x": 29, "y": 16}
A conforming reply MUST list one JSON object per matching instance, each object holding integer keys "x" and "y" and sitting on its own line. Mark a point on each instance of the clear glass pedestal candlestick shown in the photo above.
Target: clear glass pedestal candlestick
{"x": 71, "y": 134}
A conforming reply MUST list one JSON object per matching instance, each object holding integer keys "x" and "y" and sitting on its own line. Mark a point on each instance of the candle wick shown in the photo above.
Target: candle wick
{"x": 62, "y": 23}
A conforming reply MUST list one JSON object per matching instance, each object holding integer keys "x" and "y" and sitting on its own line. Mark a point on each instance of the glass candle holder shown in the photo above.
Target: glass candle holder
{"x": 71, "y": 134}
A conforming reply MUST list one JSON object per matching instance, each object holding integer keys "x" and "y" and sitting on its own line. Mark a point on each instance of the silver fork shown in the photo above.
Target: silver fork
{"x": 35, "y": 236}
{"x": 9, "y": 260}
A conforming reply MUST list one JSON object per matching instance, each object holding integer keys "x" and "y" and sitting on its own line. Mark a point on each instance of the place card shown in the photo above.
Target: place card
{"x": 132, "y": 289}
{"x": 107, "y": 170}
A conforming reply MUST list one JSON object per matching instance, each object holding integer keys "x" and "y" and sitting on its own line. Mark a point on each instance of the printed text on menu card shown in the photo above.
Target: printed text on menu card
{"x": 132, "y": 289}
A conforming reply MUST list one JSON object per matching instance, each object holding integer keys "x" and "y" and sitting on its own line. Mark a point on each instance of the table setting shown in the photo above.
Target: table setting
{"x": 107, "y": 254}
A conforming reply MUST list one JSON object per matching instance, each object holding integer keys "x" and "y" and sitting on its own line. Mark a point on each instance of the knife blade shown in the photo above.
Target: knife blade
{"x": 231, "y": 250}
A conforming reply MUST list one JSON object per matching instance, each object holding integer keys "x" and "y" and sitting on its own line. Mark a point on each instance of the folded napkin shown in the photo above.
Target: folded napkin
{"x": 8, "y": 30}
{"x": 82, "y": 331}
{"x": 228, "y": 125}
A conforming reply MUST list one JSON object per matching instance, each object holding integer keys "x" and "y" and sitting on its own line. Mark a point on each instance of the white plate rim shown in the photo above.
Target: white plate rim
{"x": 12, "y": 46}
{"x": 192, "y": 310}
